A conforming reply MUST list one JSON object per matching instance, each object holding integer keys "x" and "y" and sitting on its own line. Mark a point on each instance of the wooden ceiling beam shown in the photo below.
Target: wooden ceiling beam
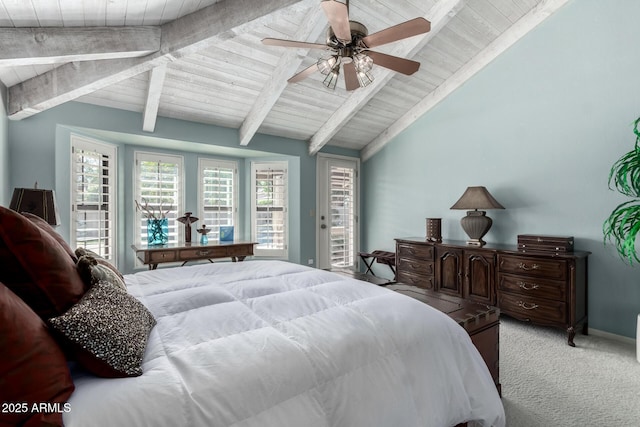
{"x": 156, "y": 82}
{"x": 3, "y": 98}
{"x": 36, "y": 46}
{"x": 439, "y": 16}
{"x": 183, "y": 36}
{"x": 312, "y": 26}
{"x": 503, "y": 42}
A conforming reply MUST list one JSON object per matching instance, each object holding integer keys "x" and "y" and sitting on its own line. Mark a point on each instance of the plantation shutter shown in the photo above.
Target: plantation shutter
{"x": 93, "y": 199}
{"x": 269, "y": 208}
{"x": 343, "y": 218}
{"x": 218, "y": 195}
{"x": 159, "y": 191}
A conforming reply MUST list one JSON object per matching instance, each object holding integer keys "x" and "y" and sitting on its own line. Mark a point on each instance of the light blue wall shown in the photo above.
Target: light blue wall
{"x": 40, "y": 151}
{"x": 5, "y": 190}
{"x": 540, "y": 127}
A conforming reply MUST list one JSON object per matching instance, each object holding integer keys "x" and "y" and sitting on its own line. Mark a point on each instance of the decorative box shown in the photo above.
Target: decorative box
{"x": 530, "y": 242}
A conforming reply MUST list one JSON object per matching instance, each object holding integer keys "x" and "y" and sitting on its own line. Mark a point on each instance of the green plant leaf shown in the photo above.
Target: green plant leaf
{"x": 625, "y": 173}
{"x": 622, "y": 228}
{"x": 635, "y": 127}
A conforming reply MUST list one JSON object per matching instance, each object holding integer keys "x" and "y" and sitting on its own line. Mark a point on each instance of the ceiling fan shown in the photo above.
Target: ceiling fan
{"x": 349, "y": 43}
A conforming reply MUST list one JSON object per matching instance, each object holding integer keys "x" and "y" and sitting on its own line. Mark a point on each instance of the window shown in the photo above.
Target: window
{"x": 269, "y": 203}
{"x": 343, "y": 217}
{"x": 218, "y": 195}
{"x": 158, "y": 185}
{"x": 93, "y": 201}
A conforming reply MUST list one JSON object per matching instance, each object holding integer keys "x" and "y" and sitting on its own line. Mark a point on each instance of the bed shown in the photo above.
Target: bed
{"x": 270, "y": 343}
{"x": 251, "y": 344}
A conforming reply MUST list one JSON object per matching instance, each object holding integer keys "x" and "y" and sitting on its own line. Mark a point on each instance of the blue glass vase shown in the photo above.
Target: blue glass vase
{"x": 157, "y": 231}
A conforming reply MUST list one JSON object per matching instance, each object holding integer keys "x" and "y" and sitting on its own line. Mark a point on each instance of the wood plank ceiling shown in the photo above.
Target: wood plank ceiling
{"x": 203, "y": 61}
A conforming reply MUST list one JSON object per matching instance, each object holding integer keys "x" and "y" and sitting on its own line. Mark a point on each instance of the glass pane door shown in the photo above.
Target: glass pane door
{"x": 337, "y": 212}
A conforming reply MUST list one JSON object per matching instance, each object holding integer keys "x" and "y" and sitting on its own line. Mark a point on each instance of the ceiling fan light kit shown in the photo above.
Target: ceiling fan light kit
{"x": 349, "y": 41}
{"x": 325, "y": 65}
{"x": 332, "y": 76}
{"x": 363, "y": 62}
{"x": 364, "y": 78}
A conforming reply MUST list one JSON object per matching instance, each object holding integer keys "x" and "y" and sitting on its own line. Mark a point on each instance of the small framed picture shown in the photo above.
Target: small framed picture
{"x": 226, "y": 233}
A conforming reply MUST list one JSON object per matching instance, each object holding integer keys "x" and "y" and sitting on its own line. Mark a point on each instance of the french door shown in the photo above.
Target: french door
{"x": 337, "y": 212}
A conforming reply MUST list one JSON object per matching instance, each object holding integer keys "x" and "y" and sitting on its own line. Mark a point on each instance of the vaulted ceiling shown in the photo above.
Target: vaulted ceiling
{"x": 204, "y": 61}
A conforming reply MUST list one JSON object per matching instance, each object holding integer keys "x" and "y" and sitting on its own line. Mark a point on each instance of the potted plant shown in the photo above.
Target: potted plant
{"x": 623, "y": 225}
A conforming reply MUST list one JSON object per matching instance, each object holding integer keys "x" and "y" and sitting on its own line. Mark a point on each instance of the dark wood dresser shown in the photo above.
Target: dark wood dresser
{"x": 545, "y": 288}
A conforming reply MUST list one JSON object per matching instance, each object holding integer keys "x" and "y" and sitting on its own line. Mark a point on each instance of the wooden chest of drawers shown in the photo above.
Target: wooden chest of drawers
{"x": 415, "y": 264}
{"x": 546, "y": 288}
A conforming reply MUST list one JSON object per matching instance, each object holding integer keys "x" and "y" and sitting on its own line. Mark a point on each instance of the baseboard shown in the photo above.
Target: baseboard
{"x": 609, "y": 335}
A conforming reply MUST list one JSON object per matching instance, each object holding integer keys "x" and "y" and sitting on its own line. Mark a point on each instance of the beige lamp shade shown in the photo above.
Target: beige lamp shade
{"x": 476, "y": 224}
{"x": 477, "y": 198}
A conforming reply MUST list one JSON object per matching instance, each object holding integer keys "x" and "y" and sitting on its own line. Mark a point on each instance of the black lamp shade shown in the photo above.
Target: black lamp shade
{"x": 39, "y": 202}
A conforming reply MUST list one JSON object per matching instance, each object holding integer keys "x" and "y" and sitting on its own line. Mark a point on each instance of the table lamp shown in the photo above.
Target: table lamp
{"x": 476, "y": 224}
{"x": 39, "y": 202}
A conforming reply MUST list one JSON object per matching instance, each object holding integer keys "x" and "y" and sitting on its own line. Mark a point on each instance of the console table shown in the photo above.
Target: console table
{"x": 546, "y": 288}
{"x": 185, "y": 252}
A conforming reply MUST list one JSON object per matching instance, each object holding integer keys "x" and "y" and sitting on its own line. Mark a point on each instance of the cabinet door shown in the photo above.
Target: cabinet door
{"x": 449, "y": 270}
{"x": 479, "y": 273}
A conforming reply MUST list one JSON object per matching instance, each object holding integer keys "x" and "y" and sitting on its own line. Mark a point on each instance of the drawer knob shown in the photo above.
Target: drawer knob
{"x": 203, "y": 253}
{"x": 526, "y": 267}
{"x": 528, "y": 287}
{"x": 527, "y": 306}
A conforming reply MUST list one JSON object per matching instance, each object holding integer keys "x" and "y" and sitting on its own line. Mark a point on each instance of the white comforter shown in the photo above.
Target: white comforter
{"x": 270, "y": 343}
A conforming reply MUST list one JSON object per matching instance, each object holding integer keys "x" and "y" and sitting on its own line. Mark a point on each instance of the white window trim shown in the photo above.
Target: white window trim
{"x": 88, "y": 144}
{"x": 271, "y": 253}
{"x": 222, "y": 164}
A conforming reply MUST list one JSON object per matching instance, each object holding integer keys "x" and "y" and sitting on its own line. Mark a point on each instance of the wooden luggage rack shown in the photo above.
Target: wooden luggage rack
{"x": 381, "y": 257}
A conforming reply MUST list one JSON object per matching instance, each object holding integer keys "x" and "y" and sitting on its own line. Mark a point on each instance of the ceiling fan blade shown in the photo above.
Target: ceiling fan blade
{"x": 398, "y": 32}
{"x": 350, "y": 77}
{"x": 303, "y": 74}
{"x": 293, "y": 43}
{"x": 338, "y": 17}
{"x": 395, "y": 63}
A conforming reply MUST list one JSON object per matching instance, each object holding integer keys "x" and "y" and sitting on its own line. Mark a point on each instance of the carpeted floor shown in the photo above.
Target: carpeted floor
{"x": 547, "y": 383}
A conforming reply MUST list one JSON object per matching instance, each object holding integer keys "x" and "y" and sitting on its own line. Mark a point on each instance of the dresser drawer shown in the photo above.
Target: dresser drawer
{"x": 239, "y": 250}
{"x": 202, "y": 253}
{"x": 162, "y": 256}
{"x": 424, "y": 252}
{"x": 532, "y": 266}
{"x": 415, "y": 280}
{"x": 533, "y": 309}
{"x": 533, "y": 286}
{"x": 416, "y": 266}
